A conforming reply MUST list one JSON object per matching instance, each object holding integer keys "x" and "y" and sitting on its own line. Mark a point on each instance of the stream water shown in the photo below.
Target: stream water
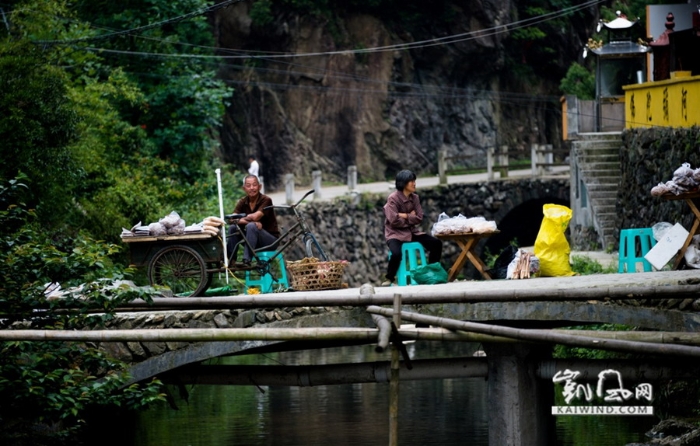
{"x": 432, "y": 412}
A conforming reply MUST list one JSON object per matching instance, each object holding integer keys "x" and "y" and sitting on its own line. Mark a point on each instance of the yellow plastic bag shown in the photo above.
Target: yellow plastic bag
{"x": 551, "y": 246}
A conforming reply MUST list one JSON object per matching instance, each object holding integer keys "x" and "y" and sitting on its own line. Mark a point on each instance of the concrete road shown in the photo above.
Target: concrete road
{"x": 328, "y": 193}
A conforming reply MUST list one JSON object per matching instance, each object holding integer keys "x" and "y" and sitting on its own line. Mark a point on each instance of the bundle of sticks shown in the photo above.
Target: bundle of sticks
{"x": 522, "y": 268}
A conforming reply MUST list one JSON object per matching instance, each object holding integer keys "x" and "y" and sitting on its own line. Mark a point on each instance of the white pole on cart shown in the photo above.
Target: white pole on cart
{"x": 221, "y": 214}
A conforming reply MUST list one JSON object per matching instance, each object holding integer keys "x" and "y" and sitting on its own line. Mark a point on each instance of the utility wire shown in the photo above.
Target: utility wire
{"x": 140, "y": 29}
{"x": 504, "y": 98}
{"x": 401, "y": 46}
{"x": 478, "y": 34}
{"x": 421, "y": 44}
{"x": 449, "y": 92}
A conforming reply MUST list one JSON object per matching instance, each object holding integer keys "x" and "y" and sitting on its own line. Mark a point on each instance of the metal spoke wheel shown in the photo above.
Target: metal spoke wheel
{"x": 181, "y": 269}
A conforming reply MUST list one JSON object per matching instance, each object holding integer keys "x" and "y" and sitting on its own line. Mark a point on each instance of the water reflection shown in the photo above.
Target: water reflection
{"x": 431, "y": 412}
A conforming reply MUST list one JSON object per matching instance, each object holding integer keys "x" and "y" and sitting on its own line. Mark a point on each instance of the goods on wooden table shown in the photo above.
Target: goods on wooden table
{"x": 462, "y": 225}
{"x": 310, "y": 274}
{"x": 685, "y": 179}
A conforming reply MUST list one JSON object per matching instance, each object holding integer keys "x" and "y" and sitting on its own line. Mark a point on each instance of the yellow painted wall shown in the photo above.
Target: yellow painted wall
{"x": 667, "y": 103}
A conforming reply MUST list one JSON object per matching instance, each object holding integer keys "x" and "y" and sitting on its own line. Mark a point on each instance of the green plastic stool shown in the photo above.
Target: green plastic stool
{"x": 629, "y": 256}
{"x": 411, "y": 253}
{"x": 265, "y": 282}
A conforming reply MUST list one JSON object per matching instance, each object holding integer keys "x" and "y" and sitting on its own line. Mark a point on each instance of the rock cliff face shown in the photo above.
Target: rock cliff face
{"x": 385, "y": 110}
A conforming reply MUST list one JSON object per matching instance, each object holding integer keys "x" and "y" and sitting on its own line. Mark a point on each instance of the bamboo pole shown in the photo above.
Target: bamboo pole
{"x": 311, "y": 334}
{"x": 538, "y": 335}
{"x": 195, "y": 334}
{"x": 394, "y": 381}
{"x": 384, "y": 327}
{"x": 438, "y": 294}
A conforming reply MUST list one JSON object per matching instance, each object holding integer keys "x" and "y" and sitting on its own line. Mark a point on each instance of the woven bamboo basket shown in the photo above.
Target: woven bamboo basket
{"x": 309, "y": 274}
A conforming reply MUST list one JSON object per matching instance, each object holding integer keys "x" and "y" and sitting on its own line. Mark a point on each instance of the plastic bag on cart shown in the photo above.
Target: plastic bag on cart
{"x": 157, "y": 229}
{"x": 173, "y": 223}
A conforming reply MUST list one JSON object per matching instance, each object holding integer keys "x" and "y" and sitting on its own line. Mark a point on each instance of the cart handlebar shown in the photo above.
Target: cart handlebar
{"x": 234, "y": 216}
{"x": 287, "y": 206}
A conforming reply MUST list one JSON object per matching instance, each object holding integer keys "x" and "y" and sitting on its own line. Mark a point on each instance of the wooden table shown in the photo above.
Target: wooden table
{"x": 467, "y": 242}
{"x": 693, "y": 199}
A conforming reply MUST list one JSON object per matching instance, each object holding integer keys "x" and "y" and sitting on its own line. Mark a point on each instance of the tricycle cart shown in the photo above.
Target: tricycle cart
{"x": 187, "y": 263}
{"x": 184, "y": 263}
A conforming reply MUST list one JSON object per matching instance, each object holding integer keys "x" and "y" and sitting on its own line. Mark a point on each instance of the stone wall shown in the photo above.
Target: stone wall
{"x": 353, "y": 229}
{"x": 649, "y": 157}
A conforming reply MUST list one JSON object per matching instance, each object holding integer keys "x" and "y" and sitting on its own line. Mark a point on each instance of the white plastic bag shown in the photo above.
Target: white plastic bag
{"x": 692, "y": 254}
{"x": 462, "y": 225}
{"x": 683, "y": 171}
{"x": 534, "y": 264}
{"x": 173, "y": 223}
{"x": 660, "y": 229}
{"x": 156, "y": 229}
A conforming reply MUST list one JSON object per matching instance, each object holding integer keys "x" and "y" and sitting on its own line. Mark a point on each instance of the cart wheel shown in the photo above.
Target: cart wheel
{"x": 181, "y": 269}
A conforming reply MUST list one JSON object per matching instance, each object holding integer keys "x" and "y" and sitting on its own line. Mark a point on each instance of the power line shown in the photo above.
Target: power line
{"x": 413, "y": 45}
{"x": 424, "y": 90}
{"x": 140, "y": 29}
{"x": 447, "y": 93}
{"x": 237, "y": 55}
{"x": 401, "y": 46}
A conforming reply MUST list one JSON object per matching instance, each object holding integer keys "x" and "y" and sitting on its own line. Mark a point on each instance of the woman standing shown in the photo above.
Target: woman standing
{"x": 403, "y": 217}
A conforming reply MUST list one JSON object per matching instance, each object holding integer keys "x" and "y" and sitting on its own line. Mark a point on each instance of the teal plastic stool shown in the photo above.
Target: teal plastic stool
{"x": 630, "y": 240}
{"x": 265, "y": 282}
{"x": 411, "y": 254}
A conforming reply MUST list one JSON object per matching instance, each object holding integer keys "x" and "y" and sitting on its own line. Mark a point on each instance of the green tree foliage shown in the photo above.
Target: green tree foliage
{"x": 47, "y": 388}
{"x": 404, "y": 14}
{"x": 88, "y": 148}
{"x": 537, "y": 47}
{"x": 579, "y": 82}
{"x": 182, "y": 102}
{"x": 38, "y": 124}
{"x": 564, "y": 351}
{"x": 103, "y": 145}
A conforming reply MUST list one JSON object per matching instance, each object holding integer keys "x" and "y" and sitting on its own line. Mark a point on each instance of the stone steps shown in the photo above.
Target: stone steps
{"x": 605, "y": 209}
{"x": 598, "y": 160}
{"x": 613, "y": 181}
{"x": 606, "y": 193}
{"x": 597, "y": 166}
{"x": 605, "y": 190}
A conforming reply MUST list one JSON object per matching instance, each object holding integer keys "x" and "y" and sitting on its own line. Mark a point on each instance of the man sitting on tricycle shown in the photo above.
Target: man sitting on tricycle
{"x": 259, "y": 223}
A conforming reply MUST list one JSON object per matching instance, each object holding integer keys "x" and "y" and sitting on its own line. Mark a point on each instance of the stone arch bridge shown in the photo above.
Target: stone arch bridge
{"x": 514, "y": 320}
{"x": 659, "y": 302}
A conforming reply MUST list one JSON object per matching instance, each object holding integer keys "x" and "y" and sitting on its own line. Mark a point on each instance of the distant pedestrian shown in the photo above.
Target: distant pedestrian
{"x": 254, "y": 168}
{"x": 403, "y": 217}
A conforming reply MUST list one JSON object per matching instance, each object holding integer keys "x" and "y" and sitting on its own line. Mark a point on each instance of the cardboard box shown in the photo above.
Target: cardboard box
{"x": 667, "y": 247}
